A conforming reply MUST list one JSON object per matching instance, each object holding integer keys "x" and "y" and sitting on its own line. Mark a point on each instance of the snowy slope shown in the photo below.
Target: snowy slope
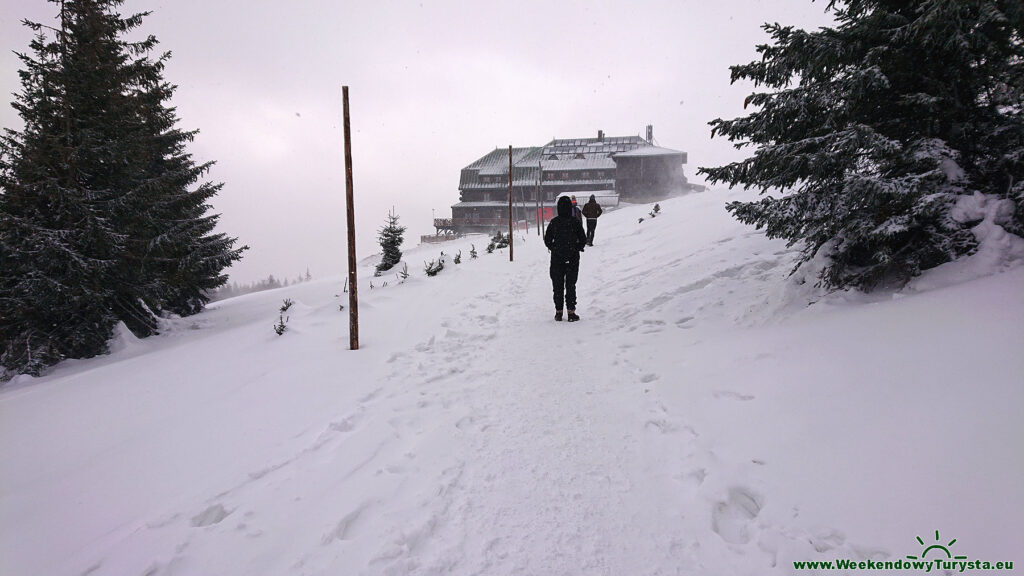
{"x": 708, "y": 415}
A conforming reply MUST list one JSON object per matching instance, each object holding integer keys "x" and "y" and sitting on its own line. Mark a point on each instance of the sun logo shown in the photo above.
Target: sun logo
{"x": 942, "y": 549}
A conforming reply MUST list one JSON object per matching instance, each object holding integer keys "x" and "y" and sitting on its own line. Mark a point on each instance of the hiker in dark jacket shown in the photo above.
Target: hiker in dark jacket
{"x": 565, "y": 239}
{"x": 592, "y": 211}
{"x": 576, "y": 212}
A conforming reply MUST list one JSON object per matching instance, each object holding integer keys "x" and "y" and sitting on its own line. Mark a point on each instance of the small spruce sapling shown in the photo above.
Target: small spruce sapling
{"x": 433, "y": 267}
{"x": 499, "y": 240}
{"x": 390, "y": 238}
{"x": 280, "y": 327}
{"x": 472, "y": 251}
{"x": 458, "y": 258}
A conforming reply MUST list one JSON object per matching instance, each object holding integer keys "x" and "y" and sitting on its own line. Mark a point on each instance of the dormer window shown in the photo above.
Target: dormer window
{"x": 579, "y": 156}
{"x": 553, "y": 157}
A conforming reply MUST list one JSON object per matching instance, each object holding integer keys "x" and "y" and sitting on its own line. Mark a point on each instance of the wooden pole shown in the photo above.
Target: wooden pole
{"x": 536, "y": 200}
{"x": 353, "y": 299}
{"x": 540, "y": 198}
{"x": 522, "y": 209}
{"x": 510, "y": 203}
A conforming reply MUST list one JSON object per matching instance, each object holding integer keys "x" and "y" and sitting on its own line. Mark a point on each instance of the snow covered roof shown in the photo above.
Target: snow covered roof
{"x": 592, "y": 146}
{"x": 648, "y": 151}
{"x": 602, "y": 162}
{"x": 496, "y": 162}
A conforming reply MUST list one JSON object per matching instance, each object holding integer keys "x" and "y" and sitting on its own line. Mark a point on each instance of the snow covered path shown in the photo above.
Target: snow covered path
{"x": 701, "y": 418}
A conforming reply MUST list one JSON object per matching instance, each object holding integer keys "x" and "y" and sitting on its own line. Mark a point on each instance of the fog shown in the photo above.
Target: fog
{"x": 433, "y": 86}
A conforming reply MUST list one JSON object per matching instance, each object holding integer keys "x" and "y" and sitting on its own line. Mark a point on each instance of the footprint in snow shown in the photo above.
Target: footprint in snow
{"x": 371, "y": 396}
{"x": 661, "y": 425}
{"x": 732, "y": 395}
{"x": 425, "y": 346}
{"x": 825, "y": 539}
{"x": 343, "y": 425}
{"x": 731, "y": 519}
{"x": 694, "y": 477}
{"x": 212, "y": 515}
{"x": 344, "y": 526}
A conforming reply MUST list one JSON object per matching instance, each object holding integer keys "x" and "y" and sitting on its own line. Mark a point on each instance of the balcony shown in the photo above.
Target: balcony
{"x": 502, "y": 223}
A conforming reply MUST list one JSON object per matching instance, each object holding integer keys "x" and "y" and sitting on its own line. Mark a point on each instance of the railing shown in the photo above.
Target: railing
{"x": 435, "y": 238}
{"x": 486, "y": 222}
{"x": 442, "y": 222}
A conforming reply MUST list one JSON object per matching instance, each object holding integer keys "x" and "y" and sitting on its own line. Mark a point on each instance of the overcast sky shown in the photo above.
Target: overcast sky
{"x": 433, "y": 86}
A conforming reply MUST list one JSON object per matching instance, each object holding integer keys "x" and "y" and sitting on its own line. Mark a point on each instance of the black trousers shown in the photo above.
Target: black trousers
{"x": 563, "y": 278}
{"x": 591, "y": 226}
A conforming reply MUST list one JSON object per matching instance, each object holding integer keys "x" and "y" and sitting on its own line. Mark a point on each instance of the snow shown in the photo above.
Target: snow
{"x": 649, "y": 151}
{"x": 709, "y": 415}
{"x": 997, "y": 250}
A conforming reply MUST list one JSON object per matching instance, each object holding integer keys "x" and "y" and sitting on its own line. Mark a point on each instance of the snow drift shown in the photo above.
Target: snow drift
{"x": 710, "y": 415}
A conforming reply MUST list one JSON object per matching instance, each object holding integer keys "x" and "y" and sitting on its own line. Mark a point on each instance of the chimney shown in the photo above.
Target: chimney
{"x": 650, "y": 134}
{"x": 600, "y": 135}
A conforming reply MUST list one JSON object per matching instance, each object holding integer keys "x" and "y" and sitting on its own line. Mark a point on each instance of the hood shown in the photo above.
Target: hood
{"x": 564, "y": 206}
{"x": 593, "y": 198}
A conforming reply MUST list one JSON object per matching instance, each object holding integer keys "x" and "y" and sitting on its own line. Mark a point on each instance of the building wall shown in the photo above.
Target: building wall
{"x": 646, "y": 178}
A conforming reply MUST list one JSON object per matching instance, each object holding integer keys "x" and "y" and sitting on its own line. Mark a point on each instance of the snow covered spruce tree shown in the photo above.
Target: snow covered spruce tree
{"x": 172, "y": 247}
{"x": 97, "y": 222}
{"x": 390, "y": 238}
{"x": 874, "y": 129}
{"x": 57, "y": 246}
